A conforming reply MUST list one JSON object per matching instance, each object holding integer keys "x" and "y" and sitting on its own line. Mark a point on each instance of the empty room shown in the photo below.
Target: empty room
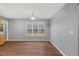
{"x": 39, "y": 29}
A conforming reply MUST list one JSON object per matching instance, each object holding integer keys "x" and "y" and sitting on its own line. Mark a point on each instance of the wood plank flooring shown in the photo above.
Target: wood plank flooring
{"x": 29, "y": 48}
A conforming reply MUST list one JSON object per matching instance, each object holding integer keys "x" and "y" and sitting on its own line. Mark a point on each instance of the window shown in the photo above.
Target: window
{"x": 1, "y": 25}
{"x": 41, "y": 28}
{"x": 35, "y": 28}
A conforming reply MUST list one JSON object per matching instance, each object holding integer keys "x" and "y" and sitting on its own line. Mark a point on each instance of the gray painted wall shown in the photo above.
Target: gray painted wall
{"x": 78, "y": 30}
{"x": 78, "y": 36}
{"x": 64, "y": 30}
{"x": 17, "y": 31}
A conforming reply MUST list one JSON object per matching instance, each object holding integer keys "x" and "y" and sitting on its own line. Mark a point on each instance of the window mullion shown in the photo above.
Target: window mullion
{"x": 32, "y": 27}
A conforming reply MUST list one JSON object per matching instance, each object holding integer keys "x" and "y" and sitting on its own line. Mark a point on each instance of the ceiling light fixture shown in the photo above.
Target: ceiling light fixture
{"x": 32, "y": 17}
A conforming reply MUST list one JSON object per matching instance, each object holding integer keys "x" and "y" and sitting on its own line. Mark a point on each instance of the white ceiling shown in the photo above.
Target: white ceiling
{"x": 24, "y": 10}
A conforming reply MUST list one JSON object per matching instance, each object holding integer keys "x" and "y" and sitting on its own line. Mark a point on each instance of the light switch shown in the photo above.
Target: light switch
{"x": 71, "y": 32}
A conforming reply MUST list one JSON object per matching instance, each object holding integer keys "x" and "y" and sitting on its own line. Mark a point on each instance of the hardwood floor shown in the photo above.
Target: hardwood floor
{"x": 29, "y": 48}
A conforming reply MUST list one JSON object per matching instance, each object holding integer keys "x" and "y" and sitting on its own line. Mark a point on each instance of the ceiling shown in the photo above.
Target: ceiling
{"x": 24, "y": 10}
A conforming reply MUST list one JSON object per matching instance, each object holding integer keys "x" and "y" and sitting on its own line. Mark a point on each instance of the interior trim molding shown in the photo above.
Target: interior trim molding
{"x": 57, "y": 48}
{"x": 27, "y": 40}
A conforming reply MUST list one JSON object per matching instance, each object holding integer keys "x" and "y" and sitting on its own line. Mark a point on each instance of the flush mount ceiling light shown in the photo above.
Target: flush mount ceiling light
{"x": 32, "y": 17}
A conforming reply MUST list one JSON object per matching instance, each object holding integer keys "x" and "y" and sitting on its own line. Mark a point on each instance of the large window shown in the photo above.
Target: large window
{"x": 1, "y": 25}
{"x": 35, "y": 28}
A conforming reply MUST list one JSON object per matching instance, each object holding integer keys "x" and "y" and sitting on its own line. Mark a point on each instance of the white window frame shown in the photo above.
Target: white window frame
{"x": 37, "y": 28}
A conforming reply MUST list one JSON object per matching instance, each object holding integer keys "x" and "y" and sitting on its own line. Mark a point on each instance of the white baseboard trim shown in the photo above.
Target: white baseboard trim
{"x": 27, "y": 40}
{"x": 57, "y": 48}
